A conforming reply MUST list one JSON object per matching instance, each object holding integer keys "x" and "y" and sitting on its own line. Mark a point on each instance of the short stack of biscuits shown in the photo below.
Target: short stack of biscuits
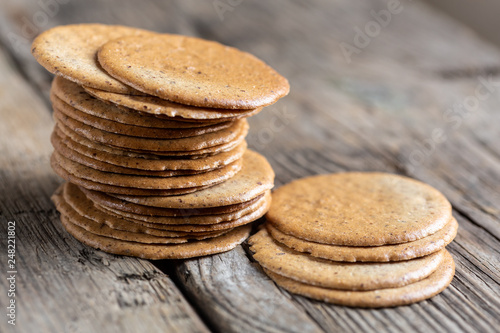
{"x": 150, "y": 137}
{"x": 358, "y": 239}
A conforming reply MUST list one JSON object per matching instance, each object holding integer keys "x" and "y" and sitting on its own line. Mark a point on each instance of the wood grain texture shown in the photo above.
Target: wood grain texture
{"x": 379, "y": 112}
{"x": 62, "y": 285}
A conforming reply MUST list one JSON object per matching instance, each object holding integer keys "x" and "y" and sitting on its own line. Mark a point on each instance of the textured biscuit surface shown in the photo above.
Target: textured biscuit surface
{"x": 235, "y": 132}
{"x": 383, "y": 253}
{"x": 153, "y": 163}
{"x": 90, "y": 224}
{"x": 107, "y": 242}
{"x": 133, "y": 130}
{"x": 157, "y": 106}
{"x": 86, "y": 208}
{"x": 83, "y": 134}
{"x": 196, "y": 219}
{"x": 91, "y": 162}
{"x": 199, "y": 248}
{"x": 193, "y": 71}
{"x": 76, "y": 96}
{"x": 92, "y": 185}
{"x": 255, "y": 177}
{"x": 146, "y": 182}
{"x": 245, "y": 219}
{"x": 109, "y": 201}
{"x": 411, "y": 293}
{"x": 359, "y": 209}
{"x": 70, "y": 51}
{"x": 339, "y": 275}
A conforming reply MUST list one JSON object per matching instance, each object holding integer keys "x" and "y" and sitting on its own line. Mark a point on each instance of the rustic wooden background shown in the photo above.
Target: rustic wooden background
{"x": 420, "y": 99}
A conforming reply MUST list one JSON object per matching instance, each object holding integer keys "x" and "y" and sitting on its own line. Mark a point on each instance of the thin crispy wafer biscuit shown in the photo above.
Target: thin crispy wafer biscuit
{"x": 132, "y": 130}
{"x": 103, "y": 199}
{"x": 178, "y": 157}
{"x": 383, "y": 253}
{"x": 100, "y": 228}
{"x": 250, "y": 217}
{"x": 359, "y": 209}
{"x": 151, "y": 163}
{"x": 209, "y": 140}
{"x": 192, "y": 249}
{"x": 77, "y": 200}
{"x": 75, "y": 156}
{"x": 91, "y": 185}
{"x": 70, "y": 51}
{"x": 187, "y": 219}
{"x": 412, "y": 293}
{"x": 157, "y": 106}
{"x": 193, "y": 71}
{"x": 76, "y": 96}
{"x": 256, "y": 176}
{"x": 339, "y": 275}
{"x": 145, "y": 182}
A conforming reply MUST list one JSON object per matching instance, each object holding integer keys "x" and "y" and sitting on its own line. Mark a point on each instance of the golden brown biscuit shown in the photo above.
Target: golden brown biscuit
{"x": 153, "y": 163}
{"x": 193, "y": 71}
{"x": 91, "y": 185}
{"x": 107, "y": 243}
{"x": 188, "y": 219}
{"x": 358, "y": 209}
{"x": 412, "y": 293}
{"x": 394, "y": 252}
{"x": 163, "y": 157}
{"x": 133, "y": 130}
{"x": 70, "y": 51}
{"x": 245, "y": 219}
{"x": 144, "y": 182}
{"x": 109, "y": 201}
{"x": 76, "y": 96}
{"x": 236, "y": 131}
{"x": 339, "y": 275}
{"x": 77, "y": 200}
{"x": 226, "y": 242}
{"x": 256, "y": 177}
{"x": 100, "y": 228}
{"x": 157, "y": 106}
{"x": 90, "y": 162}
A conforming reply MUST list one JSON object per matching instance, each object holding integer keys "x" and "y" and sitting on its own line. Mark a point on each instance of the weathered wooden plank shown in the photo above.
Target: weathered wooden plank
{"x": 377, "y": 113}
{"x": 62, "y": 285}
{"x": 237, "y": 300}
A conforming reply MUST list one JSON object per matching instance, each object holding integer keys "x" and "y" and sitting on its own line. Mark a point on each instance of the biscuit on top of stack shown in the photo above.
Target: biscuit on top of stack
{"x": 358, "y": 239}
{"x": 150, "y": 137}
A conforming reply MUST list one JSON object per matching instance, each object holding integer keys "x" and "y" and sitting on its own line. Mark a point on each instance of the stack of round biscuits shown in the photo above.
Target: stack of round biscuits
{"x": 358, "y": 239}
{"x": 150, "y": 135}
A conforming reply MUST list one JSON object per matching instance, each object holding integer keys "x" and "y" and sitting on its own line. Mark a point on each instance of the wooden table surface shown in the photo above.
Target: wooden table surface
{"x": 418, "y": 95}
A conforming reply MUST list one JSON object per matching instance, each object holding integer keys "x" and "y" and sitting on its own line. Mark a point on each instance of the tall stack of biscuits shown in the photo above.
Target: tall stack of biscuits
{"x": 358, "y": 239}
{"x": 150, "y": 137}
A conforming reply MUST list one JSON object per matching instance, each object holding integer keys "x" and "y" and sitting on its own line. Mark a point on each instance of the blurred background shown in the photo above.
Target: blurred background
{"x": 401, "y": 86}
{"x": 482, "y": 16}
{"x": 22, "y": 20}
